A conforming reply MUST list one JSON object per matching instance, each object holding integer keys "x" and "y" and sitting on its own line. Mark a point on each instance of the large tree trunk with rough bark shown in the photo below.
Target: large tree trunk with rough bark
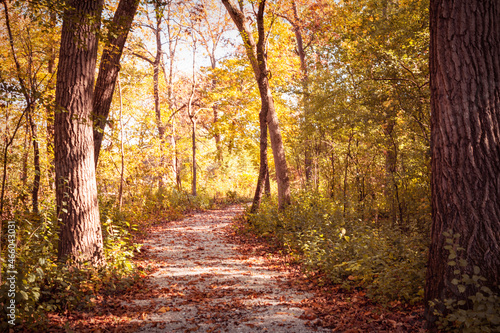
{"x": 465, "y": 132}
{"x": 80, "y": 236}
{"x": 109, "y": 68}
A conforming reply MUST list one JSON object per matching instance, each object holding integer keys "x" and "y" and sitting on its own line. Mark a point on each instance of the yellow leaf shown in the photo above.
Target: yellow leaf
{"x": 163, "y": 309}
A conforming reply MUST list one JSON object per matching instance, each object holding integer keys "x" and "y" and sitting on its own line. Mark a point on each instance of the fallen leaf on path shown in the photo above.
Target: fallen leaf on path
{"x": 163, "y": 309}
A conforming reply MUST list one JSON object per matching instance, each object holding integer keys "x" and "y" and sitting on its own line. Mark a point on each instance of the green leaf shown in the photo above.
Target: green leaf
{"x": 461, "y": 288}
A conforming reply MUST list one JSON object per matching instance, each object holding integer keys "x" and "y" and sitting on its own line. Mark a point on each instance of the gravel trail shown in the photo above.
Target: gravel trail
{"x": 205, "y": 285}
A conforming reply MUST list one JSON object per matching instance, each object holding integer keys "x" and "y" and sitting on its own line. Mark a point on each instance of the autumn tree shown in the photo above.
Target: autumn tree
{"x": 109, "y": 68}
{"x": 465, "y": 102}
{"x": 172, "y": 34}
{"x": 257, "y": 55}
{"x": 162, "y": 22}
{"x": 76, "y": 194}
{"x": 31, "y": 94}
{"x": 215, "y": 22}
{"x": 303, "y": 41}
{"x": 191, "y": 109}
{"x": 367, "y": 82}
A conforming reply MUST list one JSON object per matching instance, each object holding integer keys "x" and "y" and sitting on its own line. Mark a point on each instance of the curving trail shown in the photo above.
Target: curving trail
{"x": 205, "y": 285}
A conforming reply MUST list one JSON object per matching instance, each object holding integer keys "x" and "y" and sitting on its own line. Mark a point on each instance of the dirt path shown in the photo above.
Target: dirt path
{"x": 205, "y": 285}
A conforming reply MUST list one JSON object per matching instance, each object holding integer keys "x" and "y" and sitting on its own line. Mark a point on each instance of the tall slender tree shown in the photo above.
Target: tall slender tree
{"x": 215, "y": 23}
{"x": 30, "y": 88}
{"x": 257, "y": 54}
{"x": 293, "y": 17}
{"x": 80, "y": 236}
{"x": 109, "y": 68}
{"x": 159, "y": 9}
{"x": 465, "y": 132}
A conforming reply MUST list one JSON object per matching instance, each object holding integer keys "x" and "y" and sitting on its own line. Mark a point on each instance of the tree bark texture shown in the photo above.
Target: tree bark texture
{"x": 257, "y": 55}
{"x": 109, "y": 68}
{"x": 465, "y": 142}
{"x": 80, "y": 236}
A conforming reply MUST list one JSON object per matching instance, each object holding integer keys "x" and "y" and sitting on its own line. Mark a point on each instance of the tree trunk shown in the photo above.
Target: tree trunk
{"x": 264, "y": 168}
{"x": 391, "y": 158}
{"x": 267, "y": 188}
{"x": 109, "y": 68}
{"x": 49, "y": 109}
{"x": 156, "y": 89}
{"x": 276, "y": 144}
{"x": 8, "y": 143}
{"x": 280, "y": 165}
{"x": 257, "y": 56}
{"x": 122, "y": 152}
{"x": 80, "y": 236}
{"x": 193, "y": 139}
{"x": 156, "y": 81}
{"x": 465, "y": 134}
{"x": 215, "y": 109}
{"x": 36, "y": 163}
{"x": 346, "y": 169}
{"x": 172, "y": 41}
{"x": 305, "y": 90}
{"x": 175, "y": 157}
{"x": 24, "y": 169}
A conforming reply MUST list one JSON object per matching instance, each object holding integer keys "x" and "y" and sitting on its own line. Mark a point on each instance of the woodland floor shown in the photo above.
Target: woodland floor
{"x": 207, "y": 277}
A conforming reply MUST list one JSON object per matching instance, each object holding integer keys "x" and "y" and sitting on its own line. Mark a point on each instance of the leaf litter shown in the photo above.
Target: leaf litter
{"x": 207, "y": 285}
{"x": 206, "y": 276}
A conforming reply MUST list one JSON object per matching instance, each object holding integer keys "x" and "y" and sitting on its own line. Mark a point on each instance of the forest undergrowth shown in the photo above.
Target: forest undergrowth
{"x": 345, "y": 301}
{"x": 386, "y": 260}
{"x": 46, "y": 287}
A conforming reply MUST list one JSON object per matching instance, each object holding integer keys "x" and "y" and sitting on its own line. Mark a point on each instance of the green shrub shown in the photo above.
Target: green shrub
{"x": 482, "y": 312}
{"x": 390, "y": 264}
{"x": 45, "y": 285}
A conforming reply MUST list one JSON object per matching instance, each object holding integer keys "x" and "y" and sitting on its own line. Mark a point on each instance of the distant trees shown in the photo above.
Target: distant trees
{"x": 31, "y": 89}
{"x": 465, "y": 102}
{"x": 212, "y": 28}
{"x": 164, "y": 23}
{"x": 363, "y": 107}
